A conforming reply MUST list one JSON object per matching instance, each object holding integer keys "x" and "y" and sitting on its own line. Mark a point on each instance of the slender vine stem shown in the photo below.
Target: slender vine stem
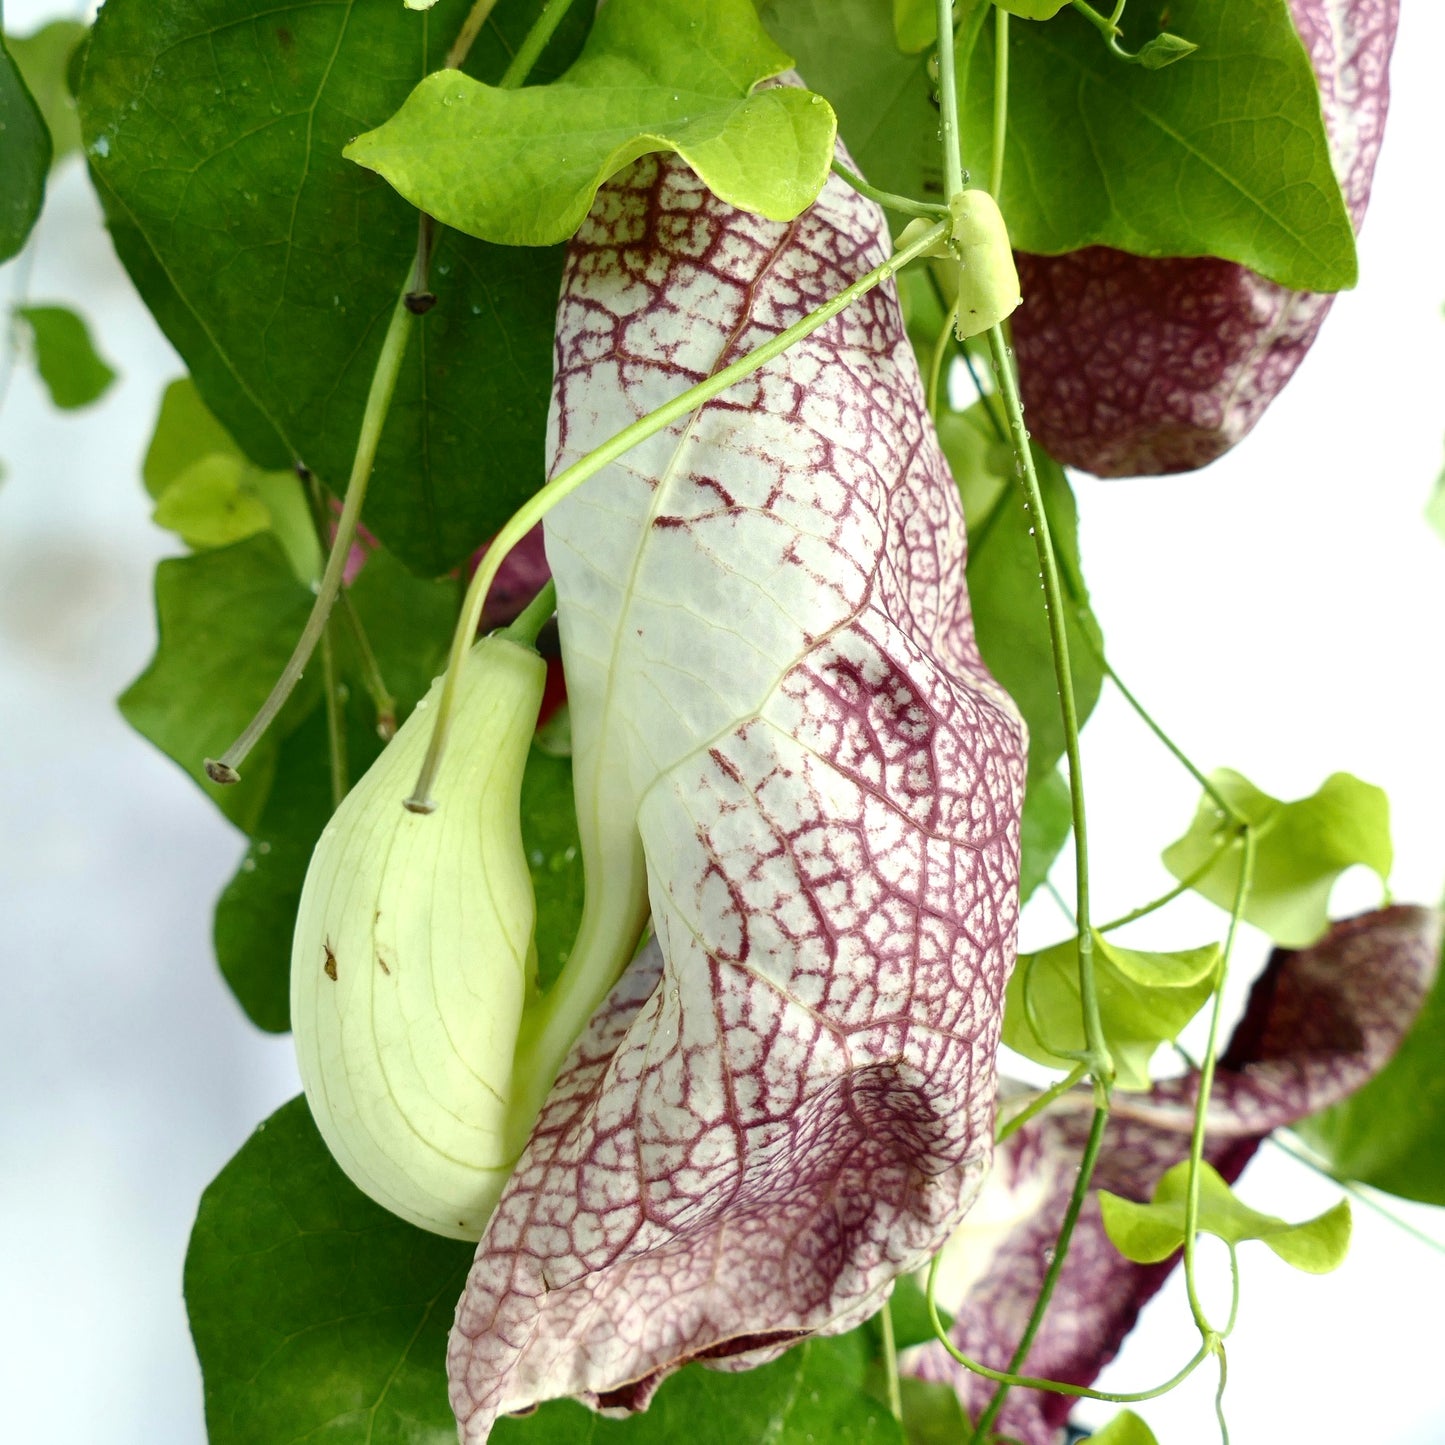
{"x": 543, "y": 28}
{"x": 533, "y": 617}
{"x": 1000, "y": 101}
{"x": 335, "y": 716}
{"x": 890, "y": 1363}
{"x": 1206, "y": 1084}
{"x": 1040, "y": 1102}
{"x": 378, "y": 401}
{"x": 567, "y": 481}
{"x": 1183, "y": 886}
{"x": 466, "y": 37}
{"x": 904, "y": 205}
{"x": 948, "y": 104}
{"x": 940, "y": 349}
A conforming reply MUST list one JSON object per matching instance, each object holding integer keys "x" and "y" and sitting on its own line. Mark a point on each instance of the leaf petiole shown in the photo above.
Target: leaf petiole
{"x": 1040, "y": 1102}
{"x": 904, "y": 205}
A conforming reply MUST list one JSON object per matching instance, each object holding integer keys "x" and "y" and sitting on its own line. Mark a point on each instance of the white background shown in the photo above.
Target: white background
{"x": 1280, "y": 612}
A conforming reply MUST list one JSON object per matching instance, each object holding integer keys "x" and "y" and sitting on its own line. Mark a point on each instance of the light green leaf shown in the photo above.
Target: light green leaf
{"x": 1126, "y": 1428}
{"x": 24, "y": 157}
{"x": 521, "y": 167}
{"x": 1164, "y": 50}
{"x": 225, "y": 189}
{"x": 408, "y": 623}
{"x": 1004, "y": 583}
{"x": 73, "y": 371}
{"x": 185, "y": 431}
{"x": 228, "y": 621}
{"x": 1301, "y": 849}
{"x": 1048, "y": 819}
{"x": 1032, "y": 9}
{"x": 208, "y": 505}
{"x": 1391, "y": 1133}
{"x": 316, "y": 1313}
{"x": 1145, "y": 999}
{"x": 1148, "y": 1233}
{"x": 1435, "y": 510}
{"x": 43, "y": 60}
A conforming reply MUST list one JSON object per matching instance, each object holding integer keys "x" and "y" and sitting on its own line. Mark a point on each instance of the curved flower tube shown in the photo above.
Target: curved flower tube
{"x": 788, "y": 752}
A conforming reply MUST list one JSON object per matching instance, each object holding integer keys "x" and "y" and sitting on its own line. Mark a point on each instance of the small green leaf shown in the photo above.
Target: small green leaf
{"x": 228, "y": 621}
{"x": 208, "y": 505}
{"x": 521, "y": 167}
{"x": 554, "y": 856}
{"x": 1435, "y": 509}
{"x": 1391, "y": 1133}
{"x": 73, "y": 371}
{"x": 1164, "y": 50}
{"x": 1005, "y": 587}
{"x": 43, "y": 60}
{"x": 1301, "y": 848}
{"x": 1126, "y": 1428}
{"x": 24, "y": 157}
{"x": 1048, "y": 819}
{"x": 1145, "y": 999}
{"x": 185, "y": 431}
{"x": 1148, "y": 1233}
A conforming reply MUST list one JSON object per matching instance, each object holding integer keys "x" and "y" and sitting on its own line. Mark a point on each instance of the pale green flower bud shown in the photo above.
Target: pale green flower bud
{"x": 988, "y": 282}
{"x": 412, "y": 962}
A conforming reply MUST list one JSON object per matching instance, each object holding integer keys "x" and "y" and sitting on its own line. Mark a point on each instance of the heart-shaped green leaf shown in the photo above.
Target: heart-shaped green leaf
{"x": 1301, "y": 848}
{"x": 1145, "y": 999}
{"x": 72, "y": 369}
{"x": 521, "y": 167}
{"x": 1148, "y": 1233}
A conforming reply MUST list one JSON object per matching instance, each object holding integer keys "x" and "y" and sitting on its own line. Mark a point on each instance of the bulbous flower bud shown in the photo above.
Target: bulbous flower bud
{"x": 412, "y": 961}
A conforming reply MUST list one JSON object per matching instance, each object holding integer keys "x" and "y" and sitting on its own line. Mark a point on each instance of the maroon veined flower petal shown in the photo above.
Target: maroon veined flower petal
{"x": 1320, "y": 1022}
{"x": 788, "y": 1101}
{"x": 1131, "y": 365}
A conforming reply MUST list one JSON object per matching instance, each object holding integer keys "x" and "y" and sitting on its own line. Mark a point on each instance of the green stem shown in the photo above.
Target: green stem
{"x": 335, "y": 717}
{"x": 1000, "y": 101}
{"x": 567, "y": 481}
{"x": 1107, "y": 26}
{"x": 1051, "y": 1277}
{"x": 890, "y": 1363}
{"x": 1219, "y": 1394}
{"x": 466, "y": 36}
{"x": 1063, "y": 672}
{"x": 533, "y": 617}
{"x": 1182, "y": 887}
{"x": 378, "y": 402}
{"x": 541, "y": 32}
{"x": 948, "y": 104}
{"x": 1038, "y": 1104}
{"x": 1206, "y": 1084}
{"x": 941, "y": 347}
{"x": 905, "y": 205}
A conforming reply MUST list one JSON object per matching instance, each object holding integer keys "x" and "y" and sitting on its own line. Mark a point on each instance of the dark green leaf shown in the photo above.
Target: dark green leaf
{"x": 1391, "y": 1134}
{"x": 521, "y": 167}
{"x": 226, "y": 188}
{"x": 69, "y": 365}
{"x": 228, "y": 621}
{"x": 1145, "y": 999}
{"x": 1225, "y": 156}
{"x": 314, "y": 1311}
{"x": 1301, "y": 849}
{"x": 1047, "y": 821}
{"x": 1148, "y": 1233}
{"x": 549, "y": 834}
{"x": 317, "y": 1313}
{"x": 1005, "y": 586}
{"x": 43, "y": 59}
{"x": 24, "y": 157}
{"x": 408, "y": 623}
